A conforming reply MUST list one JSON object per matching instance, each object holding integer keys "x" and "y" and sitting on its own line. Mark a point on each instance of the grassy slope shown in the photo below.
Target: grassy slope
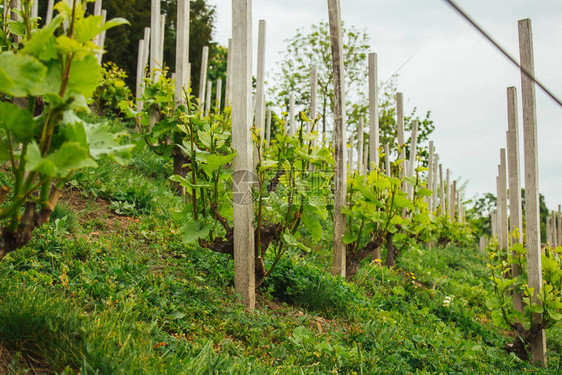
{"x": 100, "y": 293}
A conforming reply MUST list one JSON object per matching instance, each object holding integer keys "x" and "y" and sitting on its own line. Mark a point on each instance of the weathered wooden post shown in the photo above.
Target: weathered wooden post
{"x": 260, "y": 88}
{"x": 102, "y": 37}
{"x": 313, "y": 94}
{"x": 218, "y": 97}
{"x": 515, "y": 209}
{"x": 373, "y": 111}
{"x": 350, "y": 153}
{"x": 534, "y": 264}
{"x": 365, "y": 159}
{"x": 209, "y": 92}
{"x": 292, "y": 125}
{"x": 49, "y": 16}
{"x": 554, "y": 232}
{"x": 35, "y": 9}
{"x": 448, "y": 193}
{"x": 400, "y": 129}
{"x": 360, "y": 147}
{"x": 502, "y": 200}
{"x": 559, "y": 225}
{"x": 442, "y": 207}
{"x": 140, "y": 74}
{"x": 155, "y": 39}
{"x": 387, "y": 167}
{"x": 182, "y": 50}
{"x": 412, "y": 158}
{"x": 244, "y": 253}
{"x": 161, "y": 40}
{"x": 97, "y": 12}
{"x": 203, "y": 76}
{"x": 434, "y": 186}
{"x": 548, "y": 231}
{"x": 268, "y": 133}
{"x": 430, "y": 174}
{"x": 228, "y": 88}
{"x": 339, "y": 251}
{"x": 454, "y": 200}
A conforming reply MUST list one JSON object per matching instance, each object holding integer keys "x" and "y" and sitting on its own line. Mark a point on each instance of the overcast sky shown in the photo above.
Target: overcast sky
{"x": 455, "y": 73}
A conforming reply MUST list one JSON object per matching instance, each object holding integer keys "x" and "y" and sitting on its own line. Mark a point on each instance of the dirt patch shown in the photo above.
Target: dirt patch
{"x": 96, "y": 213}
{"x": 17, "y": 363}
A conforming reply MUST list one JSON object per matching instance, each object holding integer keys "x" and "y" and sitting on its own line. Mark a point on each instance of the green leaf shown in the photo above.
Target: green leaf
{"x": 36, "y": 162}
{"x": 4, "y": 151}
{"x": 191, "y": 232}
{"x": 402, "y": 202}
{"x": 425, "y": 192}
{"x": 17, "y": 121}
{"x": 42, "y": 43}
{"x": 176, "y": 315}
{"x": 312, "y": 224}
{"x": 349, "y": 237}
{"x": 84, "y": 76}
{"x": 20, "y": 75}
{"x": 103, "y": 143}
{"x": 214, "y": 162}
{"x": 71, "y": 156}
{"x": 86, "y": 29}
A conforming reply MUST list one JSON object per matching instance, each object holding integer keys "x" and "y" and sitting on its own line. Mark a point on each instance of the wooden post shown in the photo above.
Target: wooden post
{"x": 548, "y": 232}
{"x": 35, "y": 9}
{"x": 228, "y": 89}
{"x": 387, "y": 167}
{"x": 339, "y": 250}
{"x": 554, "y": 232}
{"x": 360, "y": 146}
{"x": 373, "y": 111}
{"x": 140, "y": 74}
{"x": 49, "y": 16}
{"x": 292, "y": 126}
{"x": 443, "y": 207}
{"x": 244, "y": 253}
{"x": 268, "y": 133}
{"x": 203, "y": 76}
{"x": 155, "y": 39}
{"x": 502, "y": 197}
{"x": 102, "y": 37}
{"x": 448, "y": 193}
{"x": 534, "y": 264}
{"x": 208, "y": 98}
{"x": 365, "y": 159}
{"x": 161, "y": 35}
{"x": 260, "y": 87}
{"x": 430, "y": 174}
{"x": 313, "y": 92}
{"x": 412, "y": 158}
{"x": 434, "y": 185}
{"x": 182, "y": 50}
{"x": 400, "y": 128}
{"x": 453, "y": 201}
{"x": 97, "y": 12}
{"x": 218, "y": 98}
{"x": 559, "y": 225}
{"x": 515, "y": 209}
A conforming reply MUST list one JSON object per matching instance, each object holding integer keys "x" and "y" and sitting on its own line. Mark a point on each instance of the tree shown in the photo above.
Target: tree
{"x": 303, "y": 50}
{"x": 122, "y": 44}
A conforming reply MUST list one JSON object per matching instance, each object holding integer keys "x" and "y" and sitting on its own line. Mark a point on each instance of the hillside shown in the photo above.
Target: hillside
{"x": 108, "y": 287}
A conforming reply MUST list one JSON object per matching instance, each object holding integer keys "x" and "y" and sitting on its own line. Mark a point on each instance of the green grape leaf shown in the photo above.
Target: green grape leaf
{"x": 42, "y": 43}
{"x": 36, "y": 162}
{"x": 312, "y": 224}
{"x": 103, "y": 143}
{"x": 214, "y": 162}
{"x": 71, "y": 156}
{"x": 349, "y": 237}
{"x": 20, "y": 75}
{"x": 17, "y": 121}
{"x": 84, "y": 75}
{"x": 86, "y": 29}
{"x": 192, "y": 232}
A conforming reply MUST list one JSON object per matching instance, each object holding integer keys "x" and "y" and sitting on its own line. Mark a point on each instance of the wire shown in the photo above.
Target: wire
{"x": 503, "y": 51}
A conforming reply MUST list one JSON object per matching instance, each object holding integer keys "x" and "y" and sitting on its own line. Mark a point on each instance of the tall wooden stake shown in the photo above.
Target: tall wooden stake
{"x": 140, "y": 73}
{"x": 533, "y": 232}
{"x": 228, "y": 88}
{"x": 203, "y": 76}
{"x": 339, "y": 250}
{"x": 400, "y": 129}
{"x": 218, "y": 98}
{"x": 412, "y": 159}
{"x": 50, "y": 6}
{"x": 260, "y": 88}
{"x": 244, "y": 253}
{"x": 313, "y": 94}
{"x": 387, "y": 167}
{"x": 360, "y": 146}
{"x": 502, "y": 199}
{"x": 430, "y": 173}
{"x": 155, "y": 39}
{"x": 292, "y": 124}
{"x": 515, "y": 209}
{"x": 443, "y": 206}
{"x": 373, "y": 111}
{"x": 182, "y": 50}
{"x": 209, "y": 92}
{"x": 268, "y": 133}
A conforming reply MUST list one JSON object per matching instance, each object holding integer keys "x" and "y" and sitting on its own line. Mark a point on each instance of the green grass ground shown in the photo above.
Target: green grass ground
{"x": 107, "y": 287}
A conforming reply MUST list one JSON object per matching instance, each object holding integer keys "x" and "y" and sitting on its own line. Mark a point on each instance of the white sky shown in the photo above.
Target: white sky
{"x": 455, "y": 72}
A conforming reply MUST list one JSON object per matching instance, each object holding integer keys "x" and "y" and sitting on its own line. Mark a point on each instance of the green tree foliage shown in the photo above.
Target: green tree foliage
{"x": 122, "y": 44}
{"x": 305, "y": 49}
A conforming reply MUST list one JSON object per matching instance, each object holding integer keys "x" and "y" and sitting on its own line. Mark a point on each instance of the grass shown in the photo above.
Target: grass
{"x": 96, "y": 296}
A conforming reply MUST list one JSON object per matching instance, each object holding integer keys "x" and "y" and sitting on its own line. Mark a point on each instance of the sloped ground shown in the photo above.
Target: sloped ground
{"x": 104, "y": 292}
